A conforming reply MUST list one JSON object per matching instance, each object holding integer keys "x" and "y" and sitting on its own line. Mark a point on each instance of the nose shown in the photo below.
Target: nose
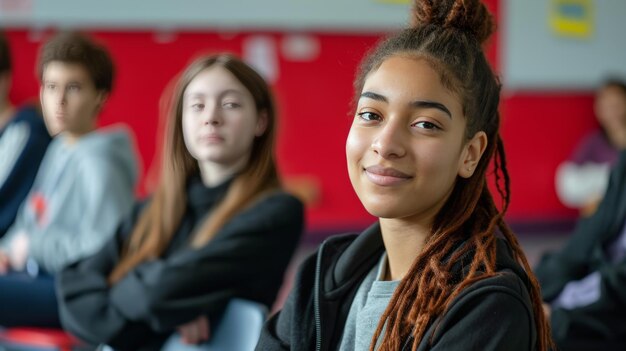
{"x": 388, "y": 141}
{"x": 61, "y": 97}
{"x": 212, "y": 116}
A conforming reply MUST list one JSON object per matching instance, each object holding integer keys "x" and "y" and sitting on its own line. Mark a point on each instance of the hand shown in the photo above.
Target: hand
{"x": 18, "y": 253}
{"x": 196, "y": 331}
{"x": 547, "y": 310}
{"x": 4, "y": 263}
{"x": 590, "y": 207}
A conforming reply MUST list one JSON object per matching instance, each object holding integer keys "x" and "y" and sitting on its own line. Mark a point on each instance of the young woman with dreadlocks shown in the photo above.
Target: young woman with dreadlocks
{"x": 440, "y": 270}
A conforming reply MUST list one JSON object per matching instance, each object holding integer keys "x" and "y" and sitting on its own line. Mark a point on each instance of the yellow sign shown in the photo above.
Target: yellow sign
{"x": 572, "y": 18}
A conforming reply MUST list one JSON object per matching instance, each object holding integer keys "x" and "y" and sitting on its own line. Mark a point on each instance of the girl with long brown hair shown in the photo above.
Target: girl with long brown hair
{"x": 218, "y": 225}
{"x": 440, "y": 270}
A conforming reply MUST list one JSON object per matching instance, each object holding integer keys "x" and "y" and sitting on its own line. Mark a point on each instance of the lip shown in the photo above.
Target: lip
{"x": 211, "y": 138}
{"x": 385, "y": 176}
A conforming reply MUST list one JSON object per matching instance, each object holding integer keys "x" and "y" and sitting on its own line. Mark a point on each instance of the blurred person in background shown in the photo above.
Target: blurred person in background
{"x": 218, "y": 226}
{"x": 582, "y": 180}
{"x": 83, "y": 189}
{"x": 584, "y": 284}
{"x": 23, "y": 143}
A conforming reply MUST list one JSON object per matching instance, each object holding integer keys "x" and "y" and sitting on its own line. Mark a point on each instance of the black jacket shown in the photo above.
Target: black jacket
{"x": 585, "y": 253}
{"x": 247, "y": 258}
{"x": 492, "y": 314}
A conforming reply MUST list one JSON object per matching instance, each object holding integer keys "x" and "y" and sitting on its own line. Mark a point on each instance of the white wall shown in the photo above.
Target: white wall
{"x": 535, "y": 58}
{"x": 322, "y": 15}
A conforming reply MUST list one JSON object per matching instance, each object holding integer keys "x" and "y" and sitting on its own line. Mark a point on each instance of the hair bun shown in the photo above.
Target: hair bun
{"x": 467, "y": 15}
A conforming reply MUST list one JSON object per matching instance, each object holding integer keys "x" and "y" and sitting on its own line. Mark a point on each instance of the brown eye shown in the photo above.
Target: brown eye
{"x": 230, "y": 105}
{"x": 426, "y": 125}
{"x": 369, "y": 116}
{"x": 197, "y": 107}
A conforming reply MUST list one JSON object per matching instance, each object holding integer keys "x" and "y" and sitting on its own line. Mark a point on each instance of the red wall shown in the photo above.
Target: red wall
{"x": 539, "y": 129}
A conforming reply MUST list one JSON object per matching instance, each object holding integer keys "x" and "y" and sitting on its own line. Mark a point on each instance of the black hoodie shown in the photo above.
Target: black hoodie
{"x": 246, "y": 258}
{"x": 492, "y": 314}
{"x": 601, "y": 324}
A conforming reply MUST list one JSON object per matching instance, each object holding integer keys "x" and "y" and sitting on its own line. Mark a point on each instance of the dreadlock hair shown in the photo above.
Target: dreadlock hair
{"x": 448, "y": 35}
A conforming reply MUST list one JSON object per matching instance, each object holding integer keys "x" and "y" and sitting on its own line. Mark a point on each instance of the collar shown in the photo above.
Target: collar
{"x": 201, "y": 198}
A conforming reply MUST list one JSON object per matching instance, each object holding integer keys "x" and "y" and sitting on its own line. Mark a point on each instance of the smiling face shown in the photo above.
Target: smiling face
{"x": 407, "y": 142}
{"x": 69, "y": 99}
{"x": 220, "y": 119}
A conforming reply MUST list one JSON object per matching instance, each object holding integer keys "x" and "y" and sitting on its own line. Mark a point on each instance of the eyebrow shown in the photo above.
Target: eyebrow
{"x": 47, "y": 81}
{"x": 416, "y": 103}
{"x": 223, "y": 93}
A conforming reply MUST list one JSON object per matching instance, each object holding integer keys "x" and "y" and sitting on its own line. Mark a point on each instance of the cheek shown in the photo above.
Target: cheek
{"x": 438, "y": 160}
{"x": 46, "y": 102}
{"x": 188, "y": 130}
{"x": 356, "y": 145}
{"x": 242, "y": 129}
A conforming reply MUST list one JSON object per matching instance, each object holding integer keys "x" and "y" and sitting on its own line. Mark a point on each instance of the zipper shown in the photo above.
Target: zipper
{"x": 316, "y": 299}
{"x": 408, "y": 343}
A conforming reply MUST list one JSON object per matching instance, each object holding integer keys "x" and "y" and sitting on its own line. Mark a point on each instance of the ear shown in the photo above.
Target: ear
{"x": 101, "y": 99}
{"x": 472, "y": 152}
{"x": 261, "y": 124}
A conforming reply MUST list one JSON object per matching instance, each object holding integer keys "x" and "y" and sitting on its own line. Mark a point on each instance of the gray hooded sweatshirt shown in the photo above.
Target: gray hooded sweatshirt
{"x": 81, "y": 193}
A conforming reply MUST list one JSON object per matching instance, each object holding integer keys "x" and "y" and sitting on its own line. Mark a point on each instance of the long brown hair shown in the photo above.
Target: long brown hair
{"x": 161, "y": 217}
{"x": 449, "y": 35}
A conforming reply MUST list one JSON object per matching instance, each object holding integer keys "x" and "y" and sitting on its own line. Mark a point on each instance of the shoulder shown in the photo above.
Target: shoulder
{"x": 509, "y": 287}
{"x": 107, "y": 152}
{"x": 495, "y": 311}
{"x": 279, "y": 200}
{"x": 505, "y": 281}
{"x": 28, "y": 114}
{"x": 275, "y": 208}
{"x": 107, "y": 143}
{"x": 504, "y": 294}
{"x": 25, "y": 120}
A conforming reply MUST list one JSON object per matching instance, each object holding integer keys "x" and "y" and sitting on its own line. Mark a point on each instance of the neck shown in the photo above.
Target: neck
{"x": 404, "y": 241}
{"x": 214, "y": 174}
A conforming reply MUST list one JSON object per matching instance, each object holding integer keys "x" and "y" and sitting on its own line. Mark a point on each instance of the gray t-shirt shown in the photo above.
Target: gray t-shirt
{"x": 368, "y": 305}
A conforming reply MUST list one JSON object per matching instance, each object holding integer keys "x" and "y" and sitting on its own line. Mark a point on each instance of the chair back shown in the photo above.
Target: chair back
{"x": 238, "y": 330}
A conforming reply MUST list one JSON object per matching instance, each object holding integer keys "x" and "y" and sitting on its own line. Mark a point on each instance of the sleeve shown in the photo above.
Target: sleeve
{"x": 83, "y": 293}
{"x": 488, "y": 318}
{"x": 107, "y": 195}
{"x": 573, "y": 261}
{"x": 291, "y": 328}
{"x": 602, "y": 319}
{"x": 246, "y": 259}
{"x": 23, "y": 146}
